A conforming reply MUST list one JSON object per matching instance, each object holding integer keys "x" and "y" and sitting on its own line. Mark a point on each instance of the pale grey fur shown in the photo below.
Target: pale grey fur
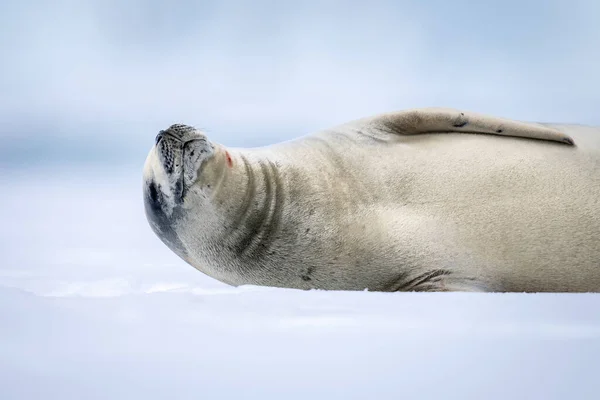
{"x": 401, "y": 201}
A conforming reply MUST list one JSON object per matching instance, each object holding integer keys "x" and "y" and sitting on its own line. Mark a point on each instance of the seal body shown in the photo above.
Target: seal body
{"x": 398, "y": 202}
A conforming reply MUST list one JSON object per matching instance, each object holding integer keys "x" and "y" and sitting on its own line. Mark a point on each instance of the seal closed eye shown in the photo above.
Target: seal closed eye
{"x": 417, "y": 200}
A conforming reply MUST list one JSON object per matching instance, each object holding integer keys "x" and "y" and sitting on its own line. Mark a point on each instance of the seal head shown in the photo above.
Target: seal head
{"x": 172, "y": 167}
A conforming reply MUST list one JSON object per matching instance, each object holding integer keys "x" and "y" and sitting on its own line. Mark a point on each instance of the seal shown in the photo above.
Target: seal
{"x": 428, "y": 199}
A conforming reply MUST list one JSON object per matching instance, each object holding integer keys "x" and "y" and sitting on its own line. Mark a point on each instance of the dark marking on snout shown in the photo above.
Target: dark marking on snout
{"x": 498, "y": 130}
{"x": 179, "y": 191}
{"x": 160, "y": 222}
{"x": 153, "y": 193}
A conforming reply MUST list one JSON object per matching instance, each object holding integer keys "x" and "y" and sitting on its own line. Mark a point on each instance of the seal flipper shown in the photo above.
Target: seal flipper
{"x": 448, "y": 120}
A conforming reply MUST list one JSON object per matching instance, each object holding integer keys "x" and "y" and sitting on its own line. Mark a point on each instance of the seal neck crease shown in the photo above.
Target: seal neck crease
{"x": 256, "y": 224}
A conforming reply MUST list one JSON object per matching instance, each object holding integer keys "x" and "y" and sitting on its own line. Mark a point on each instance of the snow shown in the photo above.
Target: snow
{"x": 93, "y": 305}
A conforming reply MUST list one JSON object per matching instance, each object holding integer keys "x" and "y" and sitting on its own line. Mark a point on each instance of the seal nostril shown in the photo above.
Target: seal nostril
{"x": 158, "y": 138}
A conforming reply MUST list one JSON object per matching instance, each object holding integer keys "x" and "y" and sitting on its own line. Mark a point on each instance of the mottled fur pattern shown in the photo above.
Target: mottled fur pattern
{"x": 402, "y": 201}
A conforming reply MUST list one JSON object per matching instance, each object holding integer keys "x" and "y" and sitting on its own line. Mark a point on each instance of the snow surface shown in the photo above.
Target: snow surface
{"x": 93, "y": 306}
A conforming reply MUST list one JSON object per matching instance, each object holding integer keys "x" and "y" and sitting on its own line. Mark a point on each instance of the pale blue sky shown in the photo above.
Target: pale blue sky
{"x": 97, "y": 79}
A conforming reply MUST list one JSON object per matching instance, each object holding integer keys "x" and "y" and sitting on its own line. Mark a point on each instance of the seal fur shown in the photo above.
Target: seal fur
{"x": 402, "y": 201}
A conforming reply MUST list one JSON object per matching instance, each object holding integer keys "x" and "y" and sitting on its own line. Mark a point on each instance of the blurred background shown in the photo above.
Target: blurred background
{"x": 93, "y": 305}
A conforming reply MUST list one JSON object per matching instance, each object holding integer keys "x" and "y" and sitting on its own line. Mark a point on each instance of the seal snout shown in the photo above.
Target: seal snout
{"x": 180, "y": 151}
{"x": 180, "y": 133}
